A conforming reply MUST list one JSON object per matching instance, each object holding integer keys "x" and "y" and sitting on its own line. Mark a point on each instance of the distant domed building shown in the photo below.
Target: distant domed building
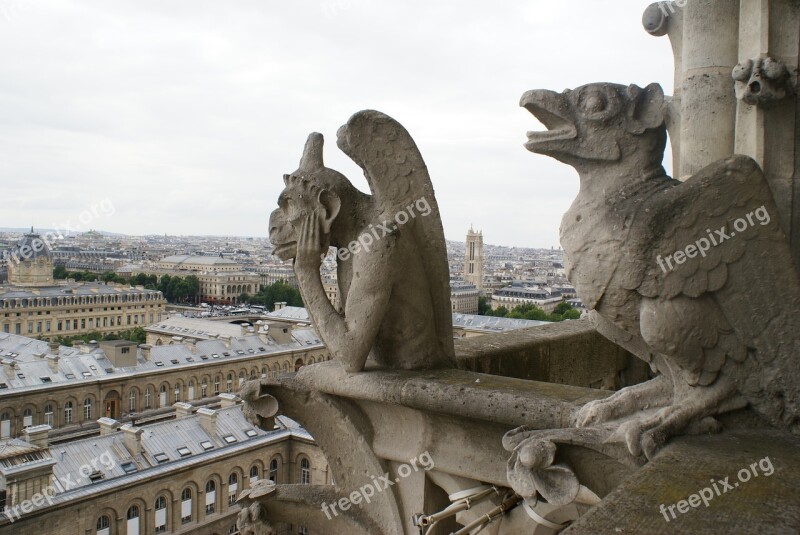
{"x": 30, "y": 263}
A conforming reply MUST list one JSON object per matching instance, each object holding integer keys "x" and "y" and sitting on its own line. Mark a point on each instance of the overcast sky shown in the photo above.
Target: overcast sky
{"x": 184, "y": 114}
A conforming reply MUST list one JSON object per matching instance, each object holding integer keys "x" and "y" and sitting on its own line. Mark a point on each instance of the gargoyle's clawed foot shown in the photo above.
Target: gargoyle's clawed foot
{"x": 647, "y": 435}
{"x": 654, "y": 393}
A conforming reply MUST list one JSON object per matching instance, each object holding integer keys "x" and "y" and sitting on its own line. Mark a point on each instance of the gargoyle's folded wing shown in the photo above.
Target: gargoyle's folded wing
{"x": 399, "y": 180}
{"x": 721, "y": 244}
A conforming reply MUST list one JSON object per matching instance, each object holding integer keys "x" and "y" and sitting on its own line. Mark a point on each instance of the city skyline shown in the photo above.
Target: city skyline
{"x": 186, "y": 118}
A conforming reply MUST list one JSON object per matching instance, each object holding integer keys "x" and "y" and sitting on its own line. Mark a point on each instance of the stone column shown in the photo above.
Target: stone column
{"x": 769, "y": 132}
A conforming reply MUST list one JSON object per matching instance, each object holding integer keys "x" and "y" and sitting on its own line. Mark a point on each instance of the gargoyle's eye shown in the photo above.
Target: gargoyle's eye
{"x": 594, "y": 103}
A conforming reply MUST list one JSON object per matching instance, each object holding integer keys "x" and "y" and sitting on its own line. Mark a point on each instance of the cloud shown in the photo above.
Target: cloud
{"x": 187, "y": 113}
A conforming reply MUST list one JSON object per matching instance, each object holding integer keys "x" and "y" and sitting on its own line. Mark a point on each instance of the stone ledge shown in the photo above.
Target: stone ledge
{"x": 570, "y": 352}
{"x": 762, "y": 505}
{"x": 453, "y": 392}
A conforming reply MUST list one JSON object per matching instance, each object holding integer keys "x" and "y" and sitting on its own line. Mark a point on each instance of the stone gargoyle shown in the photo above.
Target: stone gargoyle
{"x": 391, "y": 255}
{"x": 694, "y": 277}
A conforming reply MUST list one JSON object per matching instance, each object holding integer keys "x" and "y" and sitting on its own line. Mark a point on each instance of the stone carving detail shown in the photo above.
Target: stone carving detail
{"x": 252, "y": 520}
{"x": 694, "y": 277}
{"x": 762, "y": 81}
{"x": 392, "y": 260}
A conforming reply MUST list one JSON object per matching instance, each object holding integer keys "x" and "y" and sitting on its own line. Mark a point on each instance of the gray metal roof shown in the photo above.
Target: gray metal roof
{"x": 113, "y": 466}
{"x": 290, "y": 313}
{"x": 25, "y": 363}
{"x": 73, "y": 289}
{"x": 194, "y": 327}
{"x": 491, "y": 323}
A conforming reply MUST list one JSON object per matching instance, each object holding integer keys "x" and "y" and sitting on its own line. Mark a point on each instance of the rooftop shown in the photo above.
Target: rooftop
{"x": 26, "y": 363}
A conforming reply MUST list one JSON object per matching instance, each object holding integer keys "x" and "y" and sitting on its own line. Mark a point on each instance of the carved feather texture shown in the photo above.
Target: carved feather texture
{"x": 398, "y": 178}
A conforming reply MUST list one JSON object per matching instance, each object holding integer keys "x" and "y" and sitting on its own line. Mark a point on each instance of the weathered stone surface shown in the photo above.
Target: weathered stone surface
{"x": 391, "y": 254}
{"x": 762, "y": 82}
{"x": 568, "y": 352}
{"x": 762, "y": 505}
{"x": 675, "y": 272}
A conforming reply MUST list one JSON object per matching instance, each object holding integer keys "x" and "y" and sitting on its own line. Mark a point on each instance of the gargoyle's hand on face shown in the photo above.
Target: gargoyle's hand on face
{"x": 310, "y": 250}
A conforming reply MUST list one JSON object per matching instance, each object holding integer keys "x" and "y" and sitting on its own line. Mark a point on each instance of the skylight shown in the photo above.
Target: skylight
{"x": 184, "y": 451}
{"x": 87, "y": 374}
{"x": 45, "y": 379}
{"x": 128, "y": 468}
{"x": 174, "y": 361}
{"x": 207, "y": 445}
{"x": 159, "y": 363}
{"x": 230, "y": 439}
{"x": 70, "y": 376}
{"x": 161, "y": 457}
{"x": 251, "y": 433}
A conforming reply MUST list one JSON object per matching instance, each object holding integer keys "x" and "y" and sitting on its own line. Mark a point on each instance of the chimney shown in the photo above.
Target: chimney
{"x": 245, "y": 329}
{"x": 53, "y": 348}
{"x": 280, "y": 332}
{"x": 145, "y": 350}
{"x": 208, "y": 420}
{"x": 132, "y": 438}
{"x": 52, "y": 361}
{"x": 226, "y": 340}
{"x": 37, "y": 435}
{"x": 279, "y": 305}
{"x": 192, "y": 345}
{"x": 263, "y": 334}
{"x": 227, "y": 400}
{"x": 182, "y": 409}
{"x": 107, "y": 425}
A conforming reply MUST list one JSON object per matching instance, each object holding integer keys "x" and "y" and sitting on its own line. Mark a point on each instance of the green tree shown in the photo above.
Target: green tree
{"x": 192, "y": 288}
{"x": 563, "y": 311}
{"x": 483, "y": 306}
{"x": 267, "y": 296}
{"x": 60, "y": 272}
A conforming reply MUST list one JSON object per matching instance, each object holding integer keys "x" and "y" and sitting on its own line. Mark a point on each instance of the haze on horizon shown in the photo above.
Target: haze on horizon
{"x": 185, "y": 114}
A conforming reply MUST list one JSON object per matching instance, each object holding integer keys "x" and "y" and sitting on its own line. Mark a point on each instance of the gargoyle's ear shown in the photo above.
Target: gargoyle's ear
{"x": 646, "y": 108}
{"x": 286, "y": 180}
{"x": 331, "y": 204}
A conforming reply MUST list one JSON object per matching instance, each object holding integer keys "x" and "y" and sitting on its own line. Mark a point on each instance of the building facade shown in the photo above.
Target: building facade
{"x": 179, "y": 476}
{"x": 77, "y": 308}
{"x": 69, "y": 388}
{"x": 464, "y": 297}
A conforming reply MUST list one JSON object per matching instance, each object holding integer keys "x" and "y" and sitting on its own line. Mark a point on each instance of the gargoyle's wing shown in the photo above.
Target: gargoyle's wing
{"x": 744, "y": 284}
{"x": 399, "y": 181}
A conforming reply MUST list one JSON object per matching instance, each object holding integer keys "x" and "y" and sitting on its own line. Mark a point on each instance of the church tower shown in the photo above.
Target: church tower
{"x": 473, "y": 261}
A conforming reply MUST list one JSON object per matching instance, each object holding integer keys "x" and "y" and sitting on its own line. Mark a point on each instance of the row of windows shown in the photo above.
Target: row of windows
{"x": 80, "y": 300}
{"x": 167, "y": 394}
{"x": 188, "y": 506}
{"x": 66, "y": 325}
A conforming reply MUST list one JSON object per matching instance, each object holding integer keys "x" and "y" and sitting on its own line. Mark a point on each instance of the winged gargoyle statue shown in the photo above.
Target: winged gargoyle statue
{"x": 392, "y": 260}
{"x": 694, "y": 277}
